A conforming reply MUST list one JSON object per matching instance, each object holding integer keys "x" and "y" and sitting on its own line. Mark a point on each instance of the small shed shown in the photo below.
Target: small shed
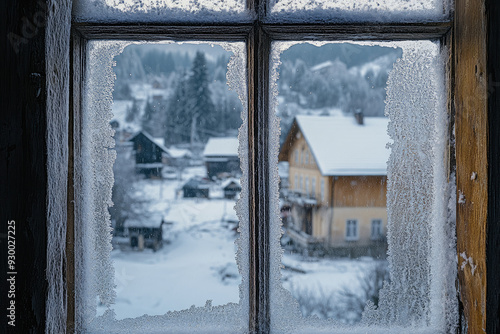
{"x": 221, "y": 156}
{"x": 196, "y": 187}
{"x": 148, "y": 154}
{"x": 146, "y": 233}
{"x": 231, "y": 188}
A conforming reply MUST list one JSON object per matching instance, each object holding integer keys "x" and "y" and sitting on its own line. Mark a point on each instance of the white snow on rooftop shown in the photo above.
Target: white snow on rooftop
{"x": 179, "y": 152}
{"x": 172, "y": 152}
{"x": 343, "y": 147}
{"x": 227, "y": 146}
{"x": 227, "y": 182}
{"x": 157, "y": 141}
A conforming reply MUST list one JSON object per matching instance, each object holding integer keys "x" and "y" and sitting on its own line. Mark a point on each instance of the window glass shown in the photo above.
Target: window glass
{"x": 374, "y": 117}
{"x": 351, "y": 229}
{"x": 359, "y": 10}
{"x": 377, "y": 229}
{"x": 160, "y": 10}
{"x": 171, "y": 241}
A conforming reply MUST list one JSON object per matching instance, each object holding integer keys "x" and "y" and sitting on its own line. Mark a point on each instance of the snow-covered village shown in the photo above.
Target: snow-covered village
{"x": 177, "y": 178}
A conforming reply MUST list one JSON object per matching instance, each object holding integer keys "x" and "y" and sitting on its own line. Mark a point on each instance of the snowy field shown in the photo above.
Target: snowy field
{"x": 197, "y": 262}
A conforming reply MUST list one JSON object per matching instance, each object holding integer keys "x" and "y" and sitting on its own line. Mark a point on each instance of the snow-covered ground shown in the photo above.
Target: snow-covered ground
{"x": 197, "y": 262}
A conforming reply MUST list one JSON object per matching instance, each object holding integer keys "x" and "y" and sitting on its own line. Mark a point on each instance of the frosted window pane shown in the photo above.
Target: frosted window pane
{"x": 160, "y": 11}
{"x": 170, "y": 255}
{"x": 374, "y": 117}
{"x": 359, "y": 10}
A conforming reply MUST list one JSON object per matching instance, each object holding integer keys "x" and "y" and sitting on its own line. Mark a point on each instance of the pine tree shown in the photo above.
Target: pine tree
{"x": 179, "y": 122}
{"x": 201, "y": 110}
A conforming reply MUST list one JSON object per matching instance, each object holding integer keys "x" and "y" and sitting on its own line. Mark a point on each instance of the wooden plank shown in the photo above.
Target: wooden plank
{"x": 493, "y": 229}
{"x": 384, "y": 31}
{"x": 77, "y": 57}
{"x": 23, "y": 159}
{"x": 258, "y": 48}
{"x": 471, "y": 128}
{"x": 157, "y": 32}
{"x": 360, "y": 191}
{"x": 223, "y": 32}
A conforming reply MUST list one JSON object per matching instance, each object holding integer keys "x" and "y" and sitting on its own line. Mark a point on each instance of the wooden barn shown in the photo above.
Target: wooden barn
{"x": 231, "y": 188}
{"x": 149, "y": 154}
{"x": 147, "y": 233}
{"x": 221, "y": 157}
{"x": 196, "y": 187}
{"x": 337, "y": 176}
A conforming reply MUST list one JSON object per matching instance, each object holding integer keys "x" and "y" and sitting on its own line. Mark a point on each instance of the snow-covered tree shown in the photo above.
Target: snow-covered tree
{"x": 124, "y": 174}
{"x": 199, "y": 103}
{"x": 178, "y": 116}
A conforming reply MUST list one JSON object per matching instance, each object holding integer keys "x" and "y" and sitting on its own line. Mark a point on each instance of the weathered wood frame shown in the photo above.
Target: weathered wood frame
{"x": 477, "y": 222}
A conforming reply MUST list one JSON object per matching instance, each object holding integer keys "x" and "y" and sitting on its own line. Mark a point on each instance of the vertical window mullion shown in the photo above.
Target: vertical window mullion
{"x": 259, "y": 47}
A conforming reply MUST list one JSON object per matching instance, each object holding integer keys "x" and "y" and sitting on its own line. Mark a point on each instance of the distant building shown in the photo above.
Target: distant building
{"x": 231, "y": 188}
{"x": 337, "y": 183}
{"x": 147, "y": 233}
{"x": 196, "y": 187}
{"x": 149, "y": 154}
{"x": 221, "y": 157}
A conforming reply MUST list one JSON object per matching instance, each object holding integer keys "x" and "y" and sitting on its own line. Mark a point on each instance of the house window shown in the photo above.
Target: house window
{"x": 376, "y": 229}
{"x": 313, "y": 186}
{"x": 296, "y": 155}
{"x": 306, "y": 186}
{"x": 307, "y": 157}
{"x": 258, "y": 176}
{"x": 322, "y": 189}
{"x": 351, "y": 230}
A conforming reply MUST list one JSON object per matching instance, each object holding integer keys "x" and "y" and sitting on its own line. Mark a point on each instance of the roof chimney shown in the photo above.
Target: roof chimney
{"x": 358, "y": 115}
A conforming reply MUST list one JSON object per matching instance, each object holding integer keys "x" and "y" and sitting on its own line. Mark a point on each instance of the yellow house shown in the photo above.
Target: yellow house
{"x": 337, "y": 183}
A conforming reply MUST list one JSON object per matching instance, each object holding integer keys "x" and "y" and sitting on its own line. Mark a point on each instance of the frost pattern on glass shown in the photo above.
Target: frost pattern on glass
{"x": 360, "y": 10}
{"x": 94, "y": 268}
{"x": 422, "y": 258}
{"x": 419, "y": 238}
{"x": 160, "y": 11}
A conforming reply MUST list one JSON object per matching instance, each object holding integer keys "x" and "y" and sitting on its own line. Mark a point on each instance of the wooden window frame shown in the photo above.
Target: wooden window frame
{"x": 474, "y": 104}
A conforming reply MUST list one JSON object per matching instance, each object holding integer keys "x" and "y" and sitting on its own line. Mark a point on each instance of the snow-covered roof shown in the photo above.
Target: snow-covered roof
{"x": 157, "y": 141}
{"x": 340, "y": 146}
{"x": 173, "y": 152}
{"x": 196, "y": 183}
{"x": 179, "y": 152}
{"x": 227, "y": 182}
{"x": 153, "y": 220}
{"x": 226, "y": 146}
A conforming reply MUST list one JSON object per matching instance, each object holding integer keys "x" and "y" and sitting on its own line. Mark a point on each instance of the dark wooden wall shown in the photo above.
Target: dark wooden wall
{"x": 493, "y": 230}
{"x": 22, "y": 160}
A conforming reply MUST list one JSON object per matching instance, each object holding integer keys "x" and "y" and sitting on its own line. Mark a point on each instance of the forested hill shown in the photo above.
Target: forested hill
{"x": 349, "y": 54}
{"x": 161, "y": 81}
